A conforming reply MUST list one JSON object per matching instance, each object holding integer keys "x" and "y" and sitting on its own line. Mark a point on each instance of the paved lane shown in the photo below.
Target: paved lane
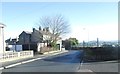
{"x": 66, "y": 62}
{"x": 71, "y": 57}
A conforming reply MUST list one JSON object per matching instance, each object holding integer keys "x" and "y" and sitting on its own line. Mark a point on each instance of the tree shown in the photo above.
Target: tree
{"x": 69, "y": 43}
{"x": 73, "y": 41}
{"x": 58, "y": 26}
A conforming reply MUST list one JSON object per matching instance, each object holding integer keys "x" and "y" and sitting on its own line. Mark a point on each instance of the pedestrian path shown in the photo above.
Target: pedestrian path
{"x": 106, "y": 66}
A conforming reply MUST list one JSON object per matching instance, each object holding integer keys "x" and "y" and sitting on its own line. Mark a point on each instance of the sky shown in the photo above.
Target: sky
{"x": 88, "y": 20}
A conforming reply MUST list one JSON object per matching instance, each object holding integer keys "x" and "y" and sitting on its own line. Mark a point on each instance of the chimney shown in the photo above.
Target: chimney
{"x": 43, "y": 29}
{"x": 47, "y": 29}
{"x": 39, "y": 28}
{"x": 33, "y": 29}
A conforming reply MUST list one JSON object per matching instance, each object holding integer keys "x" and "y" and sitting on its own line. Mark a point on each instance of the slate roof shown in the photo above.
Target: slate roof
{"x": 28, "y": 32}
{"x": 45, "y": 33}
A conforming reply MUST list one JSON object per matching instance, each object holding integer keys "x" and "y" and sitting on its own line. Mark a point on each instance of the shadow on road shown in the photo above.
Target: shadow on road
{"x": 71, "y": 57}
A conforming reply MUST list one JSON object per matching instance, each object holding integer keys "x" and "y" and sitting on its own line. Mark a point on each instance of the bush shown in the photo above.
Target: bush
{"x": 102, "y": 53}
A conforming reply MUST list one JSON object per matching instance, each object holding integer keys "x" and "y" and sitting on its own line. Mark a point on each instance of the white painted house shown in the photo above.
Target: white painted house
{"x": 2, "y": 48}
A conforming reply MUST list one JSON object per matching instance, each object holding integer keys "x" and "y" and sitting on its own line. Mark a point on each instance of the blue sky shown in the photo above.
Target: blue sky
{"x": 88, "y": 20}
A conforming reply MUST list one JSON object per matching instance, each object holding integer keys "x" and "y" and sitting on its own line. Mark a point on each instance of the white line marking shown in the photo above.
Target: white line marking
{"x": 82, "y": 63}
{"x": 1, "y": 68}
{"x": 12, "y": 65}
{"x": 85, "y": 70}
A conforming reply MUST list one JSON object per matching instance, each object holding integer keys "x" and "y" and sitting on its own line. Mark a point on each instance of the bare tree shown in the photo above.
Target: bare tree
{"x": 57, "y": 25}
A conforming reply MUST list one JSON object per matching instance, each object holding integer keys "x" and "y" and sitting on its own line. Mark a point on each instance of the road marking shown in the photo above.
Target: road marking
{"x": 27, "y": 61}
{"x": 1, "y": 68}
{"x": 81, "y": 63}
{"x": 39, "y": 58}
{"x": 12, "y": 65}
{"x": 85, "y": 70}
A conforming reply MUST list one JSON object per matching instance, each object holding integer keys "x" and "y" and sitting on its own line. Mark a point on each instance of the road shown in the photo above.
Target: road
{"x": 65, "y": 62}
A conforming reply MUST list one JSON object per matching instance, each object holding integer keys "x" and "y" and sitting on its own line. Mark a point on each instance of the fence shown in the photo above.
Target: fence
{"x": 9, "y": 56}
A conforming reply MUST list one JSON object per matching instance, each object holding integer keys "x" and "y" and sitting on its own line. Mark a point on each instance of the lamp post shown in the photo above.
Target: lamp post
{"x": 2, "y": 36}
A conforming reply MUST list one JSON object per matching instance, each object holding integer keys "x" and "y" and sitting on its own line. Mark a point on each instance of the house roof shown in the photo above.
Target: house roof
{"x": 45, "y": 33}
{"x": 28, "y": 32}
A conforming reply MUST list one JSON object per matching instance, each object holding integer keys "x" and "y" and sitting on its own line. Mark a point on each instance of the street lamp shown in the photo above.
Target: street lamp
{"x": 3, "y": 38}
{"x": 2, "y": 35}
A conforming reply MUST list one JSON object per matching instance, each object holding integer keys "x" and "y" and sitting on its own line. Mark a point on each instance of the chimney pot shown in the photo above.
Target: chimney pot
{"x": 44, "y": 29}
{"x": 39, "y": 27}
{"x": 33, "y": 29}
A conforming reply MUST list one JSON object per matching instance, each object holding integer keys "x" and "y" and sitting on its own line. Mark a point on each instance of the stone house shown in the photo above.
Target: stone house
{"x": 25, "y": 37}
{"x": 36, "y": 39}
{"x": 40, "y": 35}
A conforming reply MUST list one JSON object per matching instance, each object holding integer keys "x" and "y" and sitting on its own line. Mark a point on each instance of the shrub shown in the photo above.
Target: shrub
{"x": 103, "y": 53}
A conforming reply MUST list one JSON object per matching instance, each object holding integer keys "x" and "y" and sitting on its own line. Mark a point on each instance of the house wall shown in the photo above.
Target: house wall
{"x": 36, "y": 36}
{"x": 60, "y": 44}
{"x": 15, "y": 47}
{"x": 29, "y": 47}
{"x": 40, "y": 45}
{"x": 24, "y": 38}
{"x": 1, "y": 40}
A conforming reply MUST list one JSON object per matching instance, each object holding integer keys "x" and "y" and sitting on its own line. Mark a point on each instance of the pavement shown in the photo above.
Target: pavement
{"x": 9, "y": 64}
{"x": 106, "y": 66}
